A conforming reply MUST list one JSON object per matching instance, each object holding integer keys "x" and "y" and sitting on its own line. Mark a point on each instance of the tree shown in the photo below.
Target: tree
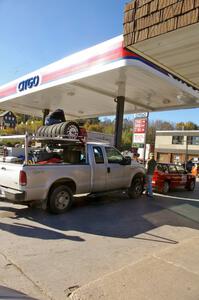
{"x": 94, "y": 127}
{"x": 88, "y": 121}
{"x": 157, "y": 125}
{"x": 186, "y": 126}
{"x": 164, "y": 125}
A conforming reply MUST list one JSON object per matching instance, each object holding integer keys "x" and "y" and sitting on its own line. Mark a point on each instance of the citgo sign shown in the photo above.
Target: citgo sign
{"x": 28, "y": 83}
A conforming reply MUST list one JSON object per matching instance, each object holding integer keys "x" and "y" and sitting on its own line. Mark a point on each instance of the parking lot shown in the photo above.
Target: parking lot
{"x": 51, "y": 257}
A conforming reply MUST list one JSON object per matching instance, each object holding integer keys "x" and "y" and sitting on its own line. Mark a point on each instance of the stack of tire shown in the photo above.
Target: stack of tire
{"x": 68, "y": 130}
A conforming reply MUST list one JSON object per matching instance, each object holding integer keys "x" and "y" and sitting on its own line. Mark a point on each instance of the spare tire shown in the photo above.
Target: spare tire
{"x": 39, "y": 131}
{"x": 71, "y": 130}
{"x": 50, "y": 130}
{"x": 58, "y": 129}
{"x": 45, "y": 131}
{"x": 42, "y": 129}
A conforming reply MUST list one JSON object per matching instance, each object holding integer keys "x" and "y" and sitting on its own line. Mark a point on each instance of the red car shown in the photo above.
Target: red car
{"x": 170, "y": 176}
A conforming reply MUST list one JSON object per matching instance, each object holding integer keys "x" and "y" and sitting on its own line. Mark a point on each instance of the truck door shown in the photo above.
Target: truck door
{"x": 108, "y": 172}
{"x": 99, "y": 170}
{"x": 116, "y": 172}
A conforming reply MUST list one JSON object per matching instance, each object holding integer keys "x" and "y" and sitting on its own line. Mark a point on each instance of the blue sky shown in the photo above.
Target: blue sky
{"x": 34, "y": 33}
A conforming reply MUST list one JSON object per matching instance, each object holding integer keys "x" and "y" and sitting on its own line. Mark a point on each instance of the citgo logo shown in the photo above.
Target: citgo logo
{"x": 28, "y": 83}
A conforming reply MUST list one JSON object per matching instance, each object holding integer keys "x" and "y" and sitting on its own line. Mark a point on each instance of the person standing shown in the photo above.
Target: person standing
{"x": 150, "y": 168}
{"x": 189, "y": 165}
{"x": 136, "y": 157}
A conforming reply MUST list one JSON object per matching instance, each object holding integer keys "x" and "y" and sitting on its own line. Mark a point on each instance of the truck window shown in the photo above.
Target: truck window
{"x": 99, "y": 158}
{"x": 113, "y": 155}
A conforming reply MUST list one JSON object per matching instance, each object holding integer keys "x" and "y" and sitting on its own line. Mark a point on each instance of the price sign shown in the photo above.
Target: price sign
{"x": 140, "y": 125}
{"x": 138, "y": 138}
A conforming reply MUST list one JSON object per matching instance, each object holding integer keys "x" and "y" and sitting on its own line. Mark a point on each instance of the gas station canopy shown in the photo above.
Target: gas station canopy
{"x": 86, "y": 83}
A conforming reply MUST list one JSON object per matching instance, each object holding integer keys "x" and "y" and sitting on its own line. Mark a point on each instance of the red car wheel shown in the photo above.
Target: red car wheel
{"x": 191, "y": 186}
{"x": 166, "y": 187}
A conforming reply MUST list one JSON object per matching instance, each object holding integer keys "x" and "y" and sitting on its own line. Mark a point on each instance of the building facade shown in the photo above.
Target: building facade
{"x": 7, "y": 120}
{"x": 177, "y": 145}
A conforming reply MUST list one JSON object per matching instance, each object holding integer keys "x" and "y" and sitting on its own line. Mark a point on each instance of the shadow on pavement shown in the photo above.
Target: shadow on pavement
{"x": 37, "y": 232}
{"x": 114, "y": 215}
{"x": 10, "y": 294}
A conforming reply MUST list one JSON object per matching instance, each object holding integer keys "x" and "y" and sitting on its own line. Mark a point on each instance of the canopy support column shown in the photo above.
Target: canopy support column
{"x": 119, "y": 121}
{"x": 45, "y": 113}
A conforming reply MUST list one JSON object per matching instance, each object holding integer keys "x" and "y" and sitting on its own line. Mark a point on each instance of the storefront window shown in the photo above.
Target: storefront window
{"x": 177, "y": 140}
{"x": 193, "y": 140}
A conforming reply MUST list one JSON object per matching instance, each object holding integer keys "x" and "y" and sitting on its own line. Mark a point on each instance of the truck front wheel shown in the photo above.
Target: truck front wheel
{"x": 136, "y": 189}
{"x": 60, "y": 199}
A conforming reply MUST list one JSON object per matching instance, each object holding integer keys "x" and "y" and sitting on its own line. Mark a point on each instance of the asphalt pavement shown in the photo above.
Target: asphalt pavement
{"x": 108, "y": 248}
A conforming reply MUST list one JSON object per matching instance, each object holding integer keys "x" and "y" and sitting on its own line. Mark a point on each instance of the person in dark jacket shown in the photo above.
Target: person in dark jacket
{"x": 150, "y": 168}
{"x": 55, "y": 117}
{"x": 189, "y": 165}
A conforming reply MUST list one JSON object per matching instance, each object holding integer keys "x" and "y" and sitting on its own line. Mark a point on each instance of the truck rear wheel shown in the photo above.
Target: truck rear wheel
{"x": 60, "y": 199}
{"x": 137, "y": 186}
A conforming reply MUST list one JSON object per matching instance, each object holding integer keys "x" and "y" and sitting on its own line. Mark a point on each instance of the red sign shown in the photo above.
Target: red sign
{"x": 140, "y": 125}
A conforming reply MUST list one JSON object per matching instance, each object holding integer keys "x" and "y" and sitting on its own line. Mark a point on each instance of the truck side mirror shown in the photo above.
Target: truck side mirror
{"x": 126, "y": 160}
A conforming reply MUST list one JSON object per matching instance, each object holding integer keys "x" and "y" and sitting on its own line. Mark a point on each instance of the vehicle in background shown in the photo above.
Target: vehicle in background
{"x": 169, "y": 176}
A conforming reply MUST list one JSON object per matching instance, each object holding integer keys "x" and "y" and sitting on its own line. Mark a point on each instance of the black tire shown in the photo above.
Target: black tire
{"x": 58, "y": 130}
{"x": 137, "y": 187}
{"x": 166, "y": 187}
{"x": 40, "y": 131}
{"x": 71, "y": 130}
{"x": 45, "y": 131}
{"x": 191, "y": 186}
{"x": 54, "y": 130}
{"x": 61, "y": 129}
{"x": 60, "y": 199}
{"x": 50, "y": 130}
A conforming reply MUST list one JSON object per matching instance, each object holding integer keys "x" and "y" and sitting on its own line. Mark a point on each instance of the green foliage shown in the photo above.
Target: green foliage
{"x": 107, "y": 126}
{"x": 94, "y": 127}
{"x": 127, "y": 138}
{"x": 187, "y": 126}
{"x": 30, "y": 126}
{"x": 87, "y": 122}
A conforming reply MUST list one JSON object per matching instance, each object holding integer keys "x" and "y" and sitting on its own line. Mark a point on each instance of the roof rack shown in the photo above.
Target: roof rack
{"x": 61, "y": 139}
{"x": 55, "y": 140}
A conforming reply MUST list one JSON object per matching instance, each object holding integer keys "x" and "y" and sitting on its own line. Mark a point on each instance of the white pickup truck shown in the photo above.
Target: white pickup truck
{"x": 71, "y": 169}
